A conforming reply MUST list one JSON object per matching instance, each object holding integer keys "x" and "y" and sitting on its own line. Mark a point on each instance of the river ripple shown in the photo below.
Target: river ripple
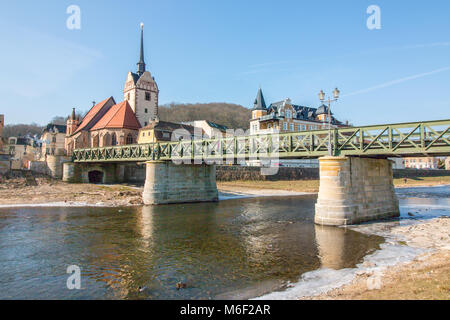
{"x": 234, "y": 248}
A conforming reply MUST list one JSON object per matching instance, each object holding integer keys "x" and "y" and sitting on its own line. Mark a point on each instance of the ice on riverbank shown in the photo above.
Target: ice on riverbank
{"x": 420, "y": 229}
{"x": 323, "y": 280}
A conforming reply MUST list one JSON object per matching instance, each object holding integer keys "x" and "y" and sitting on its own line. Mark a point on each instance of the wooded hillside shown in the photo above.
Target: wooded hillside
{"x": 20, "y": 130}
{"x": 231, "y": 115}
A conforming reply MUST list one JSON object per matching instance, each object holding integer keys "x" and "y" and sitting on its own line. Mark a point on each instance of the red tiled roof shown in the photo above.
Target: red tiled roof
{"x": 91, "y": 114}
{"x": 119, "y": 116}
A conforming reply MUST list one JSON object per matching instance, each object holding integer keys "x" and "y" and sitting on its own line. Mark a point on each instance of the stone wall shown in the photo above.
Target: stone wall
{"x": 80, "y": 172}
{"x": 354, "y": 190}
{"x": 234, "y": 173}
{"x": 38, "y": 167}
{"x": 53, "y": 166}
{"x": 135, "y": 173}
{"x": 417, "y": 173}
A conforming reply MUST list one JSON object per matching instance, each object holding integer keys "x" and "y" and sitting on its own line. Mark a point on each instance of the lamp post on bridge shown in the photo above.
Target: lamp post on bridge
{"x": 336, "y": 93}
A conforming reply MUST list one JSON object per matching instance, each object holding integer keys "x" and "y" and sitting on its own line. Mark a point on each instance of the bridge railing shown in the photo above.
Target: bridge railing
{"x": 417, "y": 138}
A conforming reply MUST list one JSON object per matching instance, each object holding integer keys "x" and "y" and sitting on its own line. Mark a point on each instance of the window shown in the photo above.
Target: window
{"x": 54, "y": 139}
{"x": 291, "y": 127}
{"x": 128, "y": 96}
{"x": 145, "y": 123}
{"x": 113, "y": 139}
{"x": 285, "y": 126}
{"x": 147, "y": 96}
{"x": 288, "y": 113}
{"x": 130, "y": 139}
{"x": 303, "y": 128}
{"x": 299, "y": 128}
{"x": 146, "y": 110}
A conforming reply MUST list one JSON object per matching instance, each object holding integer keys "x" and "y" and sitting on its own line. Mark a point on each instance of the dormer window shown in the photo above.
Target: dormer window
{"x": 288, "y": 114}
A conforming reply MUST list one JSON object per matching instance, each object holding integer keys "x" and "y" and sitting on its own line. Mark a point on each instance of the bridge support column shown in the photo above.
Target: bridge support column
{"x": 354, "y": 190}
{"x": 166, "y": 183}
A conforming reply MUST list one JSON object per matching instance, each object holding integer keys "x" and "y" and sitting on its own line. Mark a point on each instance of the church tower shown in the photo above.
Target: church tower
{"x": 72, "y": 123}
{"x": 141, "y": 90}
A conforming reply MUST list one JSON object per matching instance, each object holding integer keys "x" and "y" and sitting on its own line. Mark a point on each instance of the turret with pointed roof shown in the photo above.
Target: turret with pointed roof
{"x": 259, "y": 103}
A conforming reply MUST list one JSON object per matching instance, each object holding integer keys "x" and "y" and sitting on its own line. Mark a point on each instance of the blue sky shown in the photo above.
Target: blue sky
{"x": 221, "y": 51}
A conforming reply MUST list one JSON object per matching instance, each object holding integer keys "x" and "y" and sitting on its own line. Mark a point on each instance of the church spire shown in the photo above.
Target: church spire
{"x": 141, "y": 63}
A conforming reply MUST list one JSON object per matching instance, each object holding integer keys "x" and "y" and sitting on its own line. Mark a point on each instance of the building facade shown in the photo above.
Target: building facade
{"x": 421, "y": 162}
{"x": 21, "y": 151}
{"x": 53, "y": 140}
{"x": 168, "y": 131}
{"x": 106, "y": 124}
{"x": 210, "y": 129}
{"x": 283, "y": 116}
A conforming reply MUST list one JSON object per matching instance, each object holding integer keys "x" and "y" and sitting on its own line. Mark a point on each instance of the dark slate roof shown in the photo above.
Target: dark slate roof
{"x": 323, "y": 109}
{"x": 135, "y": 77}
{"x": 217, "y": 126}
{"x": 168, "y": 126}
{"x": 259, "y": 103}
{"x": 23, "y": 141}
{"x": 303, "y": 113}
{"x": 51, "y": 127}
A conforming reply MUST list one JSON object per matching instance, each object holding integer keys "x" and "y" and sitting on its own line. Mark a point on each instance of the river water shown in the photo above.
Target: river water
{"x": 239, "y": 248}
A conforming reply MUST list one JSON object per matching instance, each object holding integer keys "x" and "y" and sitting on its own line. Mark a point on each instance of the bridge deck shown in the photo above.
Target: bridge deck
{"x": 429, "y": 138}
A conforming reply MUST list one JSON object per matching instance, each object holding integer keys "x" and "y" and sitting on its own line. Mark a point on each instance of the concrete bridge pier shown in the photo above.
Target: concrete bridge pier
{"x": 354, "y": 190}
{"x": 166, "y": 182}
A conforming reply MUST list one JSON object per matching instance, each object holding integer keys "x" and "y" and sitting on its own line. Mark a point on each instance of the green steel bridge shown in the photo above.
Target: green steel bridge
{"x": 427, "y": 138}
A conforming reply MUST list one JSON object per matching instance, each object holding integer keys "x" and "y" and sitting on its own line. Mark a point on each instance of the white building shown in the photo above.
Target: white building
{"x": 210, "y": 129}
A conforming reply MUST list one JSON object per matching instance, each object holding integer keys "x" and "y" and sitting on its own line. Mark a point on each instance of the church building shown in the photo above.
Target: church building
{"x": 109, "y": 123}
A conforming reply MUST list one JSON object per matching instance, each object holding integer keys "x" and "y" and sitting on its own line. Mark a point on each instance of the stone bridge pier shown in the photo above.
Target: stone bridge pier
{"x": 166, "y": 182}
{"x": 354, "y": 190}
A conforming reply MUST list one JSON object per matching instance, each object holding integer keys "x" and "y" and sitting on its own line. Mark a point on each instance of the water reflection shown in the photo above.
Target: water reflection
{"x": 338, "y": 246}
{"x": 216, "y": 248}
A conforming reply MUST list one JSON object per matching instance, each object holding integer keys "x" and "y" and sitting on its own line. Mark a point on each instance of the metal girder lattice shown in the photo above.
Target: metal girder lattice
{"x": 401, "y": 139}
